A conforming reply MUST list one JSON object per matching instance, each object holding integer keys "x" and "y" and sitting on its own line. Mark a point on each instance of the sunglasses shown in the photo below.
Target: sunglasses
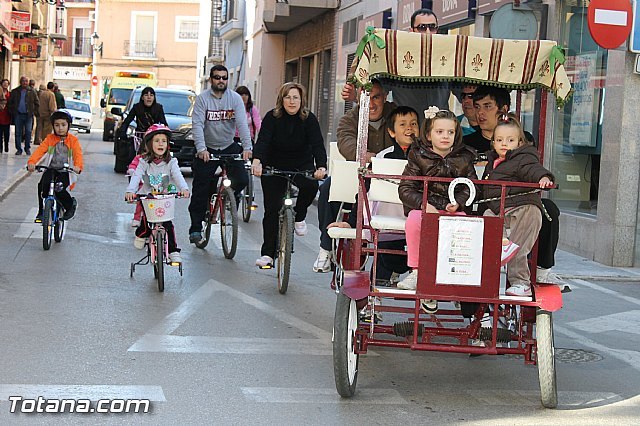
{"x": 424, "y": 27}
{"x": 220, "y": 77}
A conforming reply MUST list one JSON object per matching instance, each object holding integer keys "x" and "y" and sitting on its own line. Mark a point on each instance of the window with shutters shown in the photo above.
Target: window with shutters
{"x": 348, "y": 105}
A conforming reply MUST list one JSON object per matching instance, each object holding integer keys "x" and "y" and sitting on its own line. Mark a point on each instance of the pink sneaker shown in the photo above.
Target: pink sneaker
{"x": 507, "y": 253}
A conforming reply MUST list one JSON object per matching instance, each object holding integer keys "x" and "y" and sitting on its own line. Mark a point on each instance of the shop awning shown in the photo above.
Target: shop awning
{"x": 416, "y": 57}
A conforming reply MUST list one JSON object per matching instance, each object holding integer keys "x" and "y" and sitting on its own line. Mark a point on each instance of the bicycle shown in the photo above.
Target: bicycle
{"x": 223, "y": 209}
{"x": 52, "y": 212}
{"x": 157, "y": 209}
{"x": 286, "y": 218}
{"x": 247, "y": 198}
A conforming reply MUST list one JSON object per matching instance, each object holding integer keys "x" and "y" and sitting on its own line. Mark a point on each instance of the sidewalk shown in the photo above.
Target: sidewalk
{"x": 12, "y": 169}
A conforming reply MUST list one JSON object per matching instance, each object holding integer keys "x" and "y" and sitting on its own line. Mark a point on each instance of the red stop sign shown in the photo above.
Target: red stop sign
{"x": 610, "y": 22}
{"x": 94, "y": 80}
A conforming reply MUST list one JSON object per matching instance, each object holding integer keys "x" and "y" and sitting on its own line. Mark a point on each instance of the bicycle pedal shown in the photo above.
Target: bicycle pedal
{"x": 266, "y": 267}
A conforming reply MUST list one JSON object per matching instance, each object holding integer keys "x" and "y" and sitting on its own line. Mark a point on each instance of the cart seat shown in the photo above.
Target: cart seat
{"x": 389, "y": 215}
{"x": 347, "y": 234}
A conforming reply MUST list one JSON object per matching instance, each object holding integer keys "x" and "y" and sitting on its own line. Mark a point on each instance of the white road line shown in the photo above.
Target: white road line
{"x": 607, "y": 291}
{"x": 630, "y": 357}
{"x": 91, "y": 392}
{"x": 28, "y": 227}
{"x": 159, "y": 338}
{"x": 95, "y": 238}
{"x": 231, "y": 345}
{"x": 321, "y": 396}
{"x": 531, "y": 398}
{"x": 611, "y": 17}
{"x": 628, "y": 322}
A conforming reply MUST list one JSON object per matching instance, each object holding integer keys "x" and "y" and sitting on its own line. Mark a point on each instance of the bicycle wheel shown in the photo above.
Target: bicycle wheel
{"x": 160, "y": 260}
{"x": 58, "y": 229}
{"x": 206, "y": 224}
{"x": 229, "y": 223}
{"x": 247, "y": 200}
{"x": 285, "y": 248}
{"x": 47, "y": 224}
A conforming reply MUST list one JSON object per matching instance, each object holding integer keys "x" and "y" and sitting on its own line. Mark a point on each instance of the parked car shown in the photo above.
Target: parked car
{"x": 81, "y": 114}
{"x": 178, "y": 107}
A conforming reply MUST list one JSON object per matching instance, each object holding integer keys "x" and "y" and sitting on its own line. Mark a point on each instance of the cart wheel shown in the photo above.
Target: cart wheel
{"x": 345, "y": 359}
{"x": 133, "y": 269}
{"x": 545, "y": 354}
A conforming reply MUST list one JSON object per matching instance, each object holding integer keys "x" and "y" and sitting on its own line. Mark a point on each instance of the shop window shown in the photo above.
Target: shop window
{"x": 577, "y": 142}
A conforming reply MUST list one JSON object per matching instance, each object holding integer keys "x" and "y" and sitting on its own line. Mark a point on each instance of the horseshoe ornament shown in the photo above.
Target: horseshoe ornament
{"x": 463, "y": 181}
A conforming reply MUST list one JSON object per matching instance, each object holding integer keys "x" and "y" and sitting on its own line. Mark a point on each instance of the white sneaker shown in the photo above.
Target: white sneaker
{"x": 508, "y": 251}
{"x": 519, "y": 290}
{"x": 300, "y": 228}
{"x": 546, "y": 276}
{"x": 410, "y": 282}
{"x": 323, "y": 262}
{"x": 264, "y": 262}
{"x": 139, "y": 243}
{"x": 135, "y": 223}
{"x": 175, "y": 257}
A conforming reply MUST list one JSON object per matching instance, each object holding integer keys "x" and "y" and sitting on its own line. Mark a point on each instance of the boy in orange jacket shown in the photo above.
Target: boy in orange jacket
{"x": 56, "y": 150}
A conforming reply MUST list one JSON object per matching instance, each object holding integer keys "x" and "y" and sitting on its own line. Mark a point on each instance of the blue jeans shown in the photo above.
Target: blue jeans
{"x": 24, "y": 124}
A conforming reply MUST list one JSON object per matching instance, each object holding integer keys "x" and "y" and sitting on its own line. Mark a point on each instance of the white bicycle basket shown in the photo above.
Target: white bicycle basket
{"x": 159, "y": 209}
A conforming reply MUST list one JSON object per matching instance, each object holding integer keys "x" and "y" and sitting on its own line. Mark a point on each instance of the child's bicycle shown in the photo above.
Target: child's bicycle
{"x": 157, "y": 209}
{"x": 286, "y": 219}
{"x": 223, "y": 209}
{"x": 52, "y": 211}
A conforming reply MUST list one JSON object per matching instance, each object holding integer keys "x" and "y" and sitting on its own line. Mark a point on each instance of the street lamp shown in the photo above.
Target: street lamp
{"x": 96, "y": 43}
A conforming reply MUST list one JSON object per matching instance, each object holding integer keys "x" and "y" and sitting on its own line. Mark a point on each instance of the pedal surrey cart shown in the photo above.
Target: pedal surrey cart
{"x": 460, "y": 259}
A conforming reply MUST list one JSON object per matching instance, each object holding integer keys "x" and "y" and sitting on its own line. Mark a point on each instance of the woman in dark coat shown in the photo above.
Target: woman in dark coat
{"x": 146, "y": 112}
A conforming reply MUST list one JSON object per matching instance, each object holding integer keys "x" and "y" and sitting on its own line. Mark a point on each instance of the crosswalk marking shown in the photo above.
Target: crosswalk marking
{"x": 628, "y": 322}
{"x": 91, "y": 392}
{"x": 321, "y": 396}
{"x": 607, "y": 291}
{"x": 28, "y": 227}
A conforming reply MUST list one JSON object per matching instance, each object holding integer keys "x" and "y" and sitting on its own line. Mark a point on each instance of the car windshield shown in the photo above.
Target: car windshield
{"x": 119, "y": 96}
{"x": 78, "y": 106}
{"x": 176, "y": 103}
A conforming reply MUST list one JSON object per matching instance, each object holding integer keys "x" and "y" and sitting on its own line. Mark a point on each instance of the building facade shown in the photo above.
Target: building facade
{"x": 160, "y": 36}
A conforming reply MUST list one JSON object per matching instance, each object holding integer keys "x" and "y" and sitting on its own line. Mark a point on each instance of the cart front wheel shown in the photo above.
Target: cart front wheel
{"x": 545, "y": 353}
{"x": 345, "y": 359}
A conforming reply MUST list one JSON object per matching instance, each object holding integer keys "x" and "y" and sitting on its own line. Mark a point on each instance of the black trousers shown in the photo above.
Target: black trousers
{"x": 5, "y": 130}
{"x": 63, "y": 196}
{"x": 203, "y": 183}
{"x": 548, "y": 235}
{"x": 327, "y": 213}
{"x": 273, "y": 190}
{"x": 389, "y": 263}
{"x": 144, "y": 230}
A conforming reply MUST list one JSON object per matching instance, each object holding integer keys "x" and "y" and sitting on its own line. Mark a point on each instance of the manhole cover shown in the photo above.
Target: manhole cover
{"x": 570, "y": 356}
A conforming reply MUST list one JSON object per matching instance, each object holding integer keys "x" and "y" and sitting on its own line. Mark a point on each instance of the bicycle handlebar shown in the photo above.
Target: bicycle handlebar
{"x": 152, "y": 196}
{"x": 41, "y": 168}
{"x": 271, "y": 171}
{"x": 225, "y": 157}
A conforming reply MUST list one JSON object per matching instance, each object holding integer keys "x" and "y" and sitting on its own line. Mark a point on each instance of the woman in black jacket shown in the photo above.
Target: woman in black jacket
{"x": 146, "y": 112}
{"x": 289, "y": 139}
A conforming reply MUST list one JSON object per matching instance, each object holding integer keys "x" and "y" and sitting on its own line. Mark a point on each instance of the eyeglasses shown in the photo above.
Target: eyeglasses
{"x": 220, "y": 77}
{"x": 422, "y": 28}
{"x": 292, "y": 98}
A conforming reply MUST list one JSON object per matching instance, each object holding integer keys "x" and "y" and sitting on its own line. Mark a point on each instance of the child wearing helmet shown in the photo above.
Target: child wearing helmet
{"x": 155, "y": 164}
{"x": 56, "y": 150}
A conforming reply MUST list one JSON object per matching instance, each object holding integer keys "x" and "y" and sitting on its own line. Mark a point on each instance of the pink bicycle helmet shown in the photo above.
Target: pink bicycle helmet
{"x": 155, "y": 129}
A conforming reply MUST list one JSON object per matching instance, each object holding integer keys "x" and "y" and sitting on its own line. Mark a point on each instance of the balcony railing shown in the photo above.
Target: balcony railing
{"x": 140, "y": 49}
{"x": 74, "y": 46}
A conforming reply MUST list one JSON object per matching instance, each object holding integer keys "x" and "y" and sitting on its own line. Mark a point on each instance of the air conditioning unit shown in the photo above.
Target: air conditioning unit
{"x": 92, "y": 16}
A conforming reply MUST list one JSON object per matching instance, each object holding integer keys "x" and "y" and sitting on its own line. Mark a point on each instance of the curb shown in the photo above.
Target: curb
{"x": 12, "y": 182}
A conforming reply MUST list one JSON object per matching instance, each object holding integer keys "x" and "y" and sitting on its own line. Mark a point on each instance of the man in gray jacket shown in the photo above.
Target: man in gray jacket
{"x": 216, "y": 114}
{"x": 23, "y": 104}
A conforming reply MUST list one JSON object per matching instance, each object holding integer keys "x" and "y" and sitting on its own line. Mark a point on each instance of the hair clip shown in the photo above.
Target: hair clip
{"x": 505, "y": 118}
{"x": 431, "y": 112}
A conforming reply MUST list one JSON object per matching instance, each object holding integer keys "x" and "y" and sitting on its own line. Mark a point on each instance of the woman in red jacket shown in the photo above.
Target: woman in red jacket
{"x": 5, "y": 117}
